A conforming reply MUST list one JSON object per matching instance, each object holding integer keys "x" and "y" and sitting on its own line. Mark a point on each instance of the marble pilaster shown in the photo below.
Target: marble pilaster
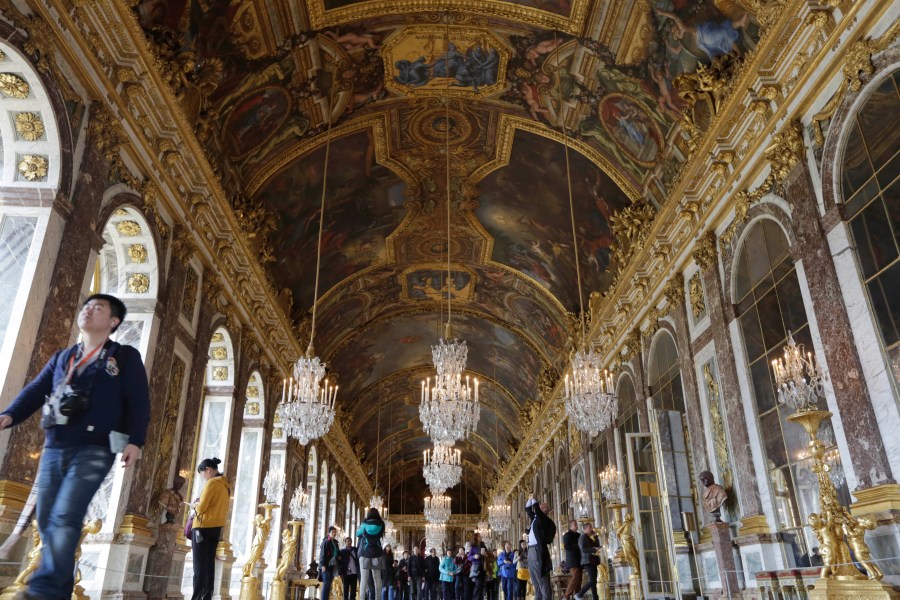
{"x": 721, "y": 541}
{"x": 692, "y": 407}
{"x": 640, "y": 391}
{"x": 745, "y": 482}
{"x": 844, "y": 369}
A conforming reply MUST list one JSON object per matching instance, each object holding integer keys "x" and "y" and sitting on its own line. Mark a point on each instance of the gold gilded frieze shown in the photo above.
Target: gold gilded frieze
{"x": 320, "y": 17}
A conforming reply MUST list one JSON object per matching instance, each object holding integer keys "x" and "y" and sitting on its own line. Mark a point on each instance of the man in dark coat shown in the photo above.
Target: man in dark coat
{"x": 329, "y": 553}
{"x": 349, "y": 569}
{"x": 541, "y": 532}
{"x": 432, "y": 576}
{"x": 416, "y": 567}
{"x": 573, "y": 558}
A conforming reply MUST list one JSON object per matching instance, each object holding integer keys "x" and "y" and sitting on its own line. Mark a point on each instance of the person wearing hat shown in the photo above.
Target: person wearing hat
{"x": 210, "y": 516}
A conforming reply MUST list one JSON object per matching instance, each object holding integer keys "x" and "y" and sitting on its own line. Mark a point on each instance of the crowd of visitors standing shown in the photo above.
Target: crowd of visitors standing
{"x": 474, "y": 572}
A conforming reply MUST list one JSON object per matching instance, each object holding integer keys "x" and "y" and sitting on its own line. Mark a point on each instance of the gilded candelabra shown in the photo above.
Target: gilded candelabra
{"x": 32, "y": 562}
{"x": 290, "y": 537}
{"x": 611, "y": 485}
{"x": 799, "y": 384}
{"x": 263, "y": 525}
{"x": 90, "y": 528}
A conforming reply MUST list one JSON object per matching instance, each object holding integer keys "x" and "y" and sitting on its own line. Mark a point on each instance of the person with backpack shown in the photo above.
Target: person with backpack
{"x": 371, "y": 554}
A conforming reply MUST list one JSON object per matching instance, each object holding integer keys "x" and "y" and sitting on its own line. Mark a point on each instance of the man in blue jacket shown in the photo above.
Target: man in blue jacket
{"x": 95, "y": 404}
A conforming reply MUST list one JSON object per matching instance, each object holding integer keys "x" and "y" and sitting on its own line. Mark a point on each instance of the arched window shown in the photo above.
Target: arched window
{"x": 322, "y": 518}
{"x": 627, "y": 422}
{"x": 769, "y": 305}
{"x": 246, "y": 484}
{"x": 312, "y": 488}
{"x": 664, "y": 374}
{"x": 32, "y": 163}
{"x": 332, "y": 504}
{"x": 127, "y": 268}
{"x": 216, "y": 422}
{"x": 348, "y": 519}
{"x": 871, "y": 191}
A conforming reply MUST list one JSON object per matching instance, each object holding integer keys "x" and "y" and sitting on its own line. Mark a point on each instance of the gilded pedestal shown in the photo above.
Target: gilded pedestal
{"x": 32, "y": 562}
{"x": 628, "y": 550}
{"x": 90, "y": 528}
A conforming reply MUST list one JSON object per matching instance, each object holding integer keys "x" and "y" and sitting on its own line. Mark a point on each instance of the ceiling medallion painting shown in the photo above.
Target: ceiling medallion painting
{"x": 429, "y": 283}
{"x": 434, "y": 60}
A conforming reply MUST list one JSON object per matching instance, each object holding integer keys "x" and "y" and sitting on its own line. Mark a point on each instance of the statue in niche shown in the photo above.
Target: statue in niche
{"x": 171, "y": 499}
{"x": 714, "y": 496}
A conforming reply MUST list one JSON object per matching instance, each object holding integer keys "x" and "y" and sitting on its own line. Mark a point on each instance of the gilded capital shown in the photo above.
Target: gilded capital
{"x": 183, "y": 245}
{"x": 786, "y": 150}
{"x": 705, "y": 250}
{"x": 674, "y": 290}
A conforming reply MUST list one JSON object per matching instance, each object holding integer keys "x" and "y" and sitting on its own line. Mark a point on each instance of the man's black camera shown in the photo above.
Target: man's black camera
{"x": 64, "y": 403}
{"x": 73, "y": 403}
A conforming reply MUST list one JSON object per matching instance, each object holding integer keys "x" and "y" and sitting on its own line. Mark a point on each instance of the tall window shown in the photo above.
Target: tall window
{"x": 769, "y": 305}
{"x": 313, "y": 491}
{"x": 871, "y": 191}
{"x": 248, "y": 475}
{"x": 322, "y": 520}
{"x": 665, "y": 376}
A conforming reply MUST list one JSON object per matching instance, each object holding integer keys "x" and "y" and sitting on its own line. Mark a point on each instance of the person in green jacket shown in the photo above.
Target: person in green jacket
{"x": 448, "y": 574}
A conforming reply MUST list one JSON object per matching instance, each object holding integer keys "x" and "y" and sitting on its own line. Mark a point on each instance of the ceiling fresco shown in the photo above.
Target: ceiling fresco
{"x": 438, "y": 110}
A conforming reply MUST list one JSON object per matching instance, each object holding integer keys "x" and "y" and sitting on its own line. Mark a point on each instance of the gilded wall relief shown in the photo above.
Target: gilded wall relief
{"x": 438, "y": 60}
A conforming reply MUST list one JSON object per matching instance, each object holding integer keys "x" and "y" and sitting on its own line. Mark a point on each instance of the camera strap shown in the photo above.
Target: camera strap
{"x": 73, "y": 367}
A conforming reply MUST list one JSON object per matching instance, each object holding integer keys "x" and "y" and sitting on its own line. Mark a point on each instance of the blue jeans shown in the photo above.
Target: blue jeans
{"x": 509, "y": 587}
{"x": 327, "y": 578}
{"x": 67, "y": 480}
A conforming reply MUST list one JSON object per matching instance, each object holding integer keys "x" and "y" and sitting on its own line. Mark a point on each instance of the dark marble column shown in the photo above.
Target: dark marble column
{"x": 150, "y": 477}
{"x": 641, "y": 391}
{"x": 721, "y": 540}
{"x": 845, "y": 371}
{"x": 745, "y": 482}
{"x": 80, "y": 239}
{"x": 693, "y": 412}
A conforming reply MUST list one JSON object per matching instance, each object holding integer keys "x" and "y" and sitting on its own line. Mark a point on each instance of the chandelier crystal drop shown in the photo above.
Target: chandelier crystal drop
{"x": 437, "y": 509}
{"x": 435, "y": 534}
{"x": 499, "y": 515}
{"x": 611, "y": 484}
{"x": 443, "y": 468}
{"x": 797, "y": 378}
{"x": 590, "y": 398}
{"x": 307, "y": 402}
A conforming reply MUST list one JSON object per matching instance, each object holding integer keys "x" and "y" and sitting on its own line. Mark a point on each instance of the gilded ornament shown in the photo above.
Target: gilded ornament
{"x": 825, "y": 115}
{"x": 786, "y": 150}
{"x": 218, "y": 337}
{"x": 858, "y": 58}
{"x": 13, "y": 86}
{"x": 278, "y": 432}
{"x": 674, "y": 290}
{"x": 189, "y": 297}
{"x": 632, "y": 345}
{"x": 253, "y": 391}
{"x": 720, "y": 441}
{"x": 170, "y": 420}
{"x": 128, "y": 228}
{"x": 33, "y": 167}
{"x": 137, "y": 253}
{"x": 139, "y": 283}
{"x": 120, "y": 212}
{"x": 218, "y": 353}
{"x": 2, "y": 55}
{"x": 253, "y": 408}
{"x": 705, "y": 250}
{"x": 630, "y": 226}
{"x": 220, "y": 373}
{"x": 698, "y": 303}
{"x": 29, "y": 126}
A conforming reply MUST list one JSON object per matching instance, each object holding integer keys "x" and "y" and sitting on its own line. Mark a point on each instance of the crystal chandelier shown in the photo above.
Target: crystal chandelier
{"x": 273, "y": 486}
{"x": 590, "y": 396}
{"x": 390, "y": 533}
{"x": 484, "y": 530}
{"x": 307, "y": 404}
{"x": 449, "y": 409}
{"x": 437, "y": 509}
{"x": 797, "y": 378}
{"x": 611, "y": 484}
{"x": 582, "y": 503}
{"x": 499, "y": 515}
{"x": 435, "y": 534}
{"x": 376, "y": 502}
{"x": 299, "y": 505}
{"x": 442, "y": 469}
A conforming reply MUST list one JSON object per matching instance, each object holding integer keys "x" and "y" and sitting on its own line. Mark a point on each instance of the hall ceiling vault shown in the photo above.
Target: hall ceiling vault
{"x": 508, "y": 86}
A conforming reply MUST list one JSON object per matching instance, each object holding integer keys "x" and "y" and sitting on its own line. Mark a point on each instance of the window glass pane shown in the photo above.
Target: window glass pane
{"x": 881, "y": 108}
{"x": 770, "y": 319}
{"x": 752, "y": 334}
{"x": 790, "y": 302}
{"x": 857, "y": 169}
{"x": 771, "y": 433}
{"x": 245, "y": 489}
{"x": 889, "y": 171}
{"x": 882, "y": 248}
{"x": 884, "y": 291}
{"x": 16, "y": 234}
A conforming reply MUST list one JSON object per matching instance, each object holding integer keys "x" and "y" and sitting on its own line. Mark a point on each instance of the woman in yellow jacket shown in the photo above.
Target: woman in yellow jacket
{"x": 210, "y": 515}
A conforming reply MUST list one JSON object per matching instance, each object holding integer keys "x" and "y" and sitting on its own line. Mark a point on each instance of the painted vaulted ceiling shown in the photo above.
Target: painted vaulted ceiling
{"x": 506, "y": 86}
